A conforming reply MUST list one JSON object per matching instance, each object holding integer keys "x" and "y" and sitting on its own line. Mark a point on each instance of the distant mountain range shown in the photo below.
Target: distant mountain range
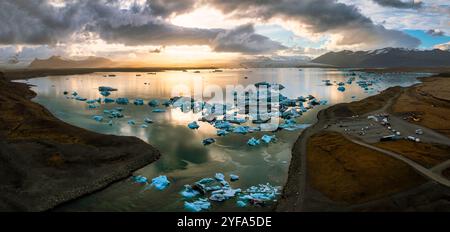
{"x": 278, "y": 62}
{"x": 57, "y": 62}
{"x": 386, "y": 58}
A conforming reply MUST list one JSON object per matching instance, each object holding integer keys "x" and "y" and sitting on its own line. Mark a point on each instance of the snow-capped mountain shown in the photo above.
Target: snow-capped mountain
{"x": 387, "y": 58}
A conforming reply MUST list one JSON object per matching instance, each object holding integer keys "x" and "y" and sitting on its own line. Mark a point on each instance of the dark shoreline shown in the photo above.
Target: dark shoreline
{"x": 16, "y": 74}
{"x": 45, "y": 162}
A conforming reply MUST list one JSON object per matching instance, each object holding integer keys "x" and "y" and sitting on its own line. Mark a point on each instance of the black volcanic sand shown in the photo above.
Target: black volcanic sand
{"x": 45, "y": 162}
{"x": 300, "y": 195}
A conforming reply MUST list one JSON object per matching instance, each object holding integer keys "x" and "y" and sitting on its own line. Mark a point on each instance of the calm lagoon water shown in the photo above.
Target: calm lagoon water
{"x": 184, "y": 159}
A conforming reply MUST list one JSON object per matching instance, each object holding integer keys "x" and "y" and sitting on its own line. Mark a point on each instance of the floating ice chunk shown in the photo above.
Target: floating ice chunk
{"x": 74, "y": 93}
{"x": 229, "y": 192}
{"x": 253, "y": 142}
{"x": 131, "y": 122}
{"x": 234, "y": 177}
{"x": 222, "y": 132}
{"x": 341, "y": 83}
{"x": 153, "y": 103}
{"x": 260, "y": 194}
{"x": 140, "y": 179}
{"x": 167, "y": 103}
{"x": 241, "y": 130}
{"x": 323, "y": 102}
{"x": 106, "y": 88}
{"x": 158, "y": 110}
{"x": 341, "y": 88}
{"x": 267, "y": 138}
{"x": 189, "y": 192}
{"x": 78, "y": 98}
{"x": 144, "y": 126}
{"x": 148, "y": 120}
{"x": 222, "y": 124}
{"x": 205, "y": 180}
{"x": 97, "y": 118}
{"x": 197, "y": 206}
{"x": 219, "y": 176}
{"x": 241, "y": 204}
{"x": 93, "y": 101}
{"x": 105, "y": 93}
{"x": 108, "y": 100}
{"x": 208, "y": 141}
{"x": 217, "y": 197}
{"x": 160, "y": 182}
{"x": 92, "y": 106}
{"x": 138, "y": 102}
{"x": 193, "y": 125}
{"x": 213, "y": 188}
{"x": 122, "y": 101}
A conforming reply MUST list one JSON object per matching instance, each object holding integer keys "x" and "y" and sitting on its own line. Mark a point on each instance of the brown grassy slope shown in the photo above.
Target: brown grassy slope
{"x": 346, "y": 172}
{"x": 429, "y": 102}
{"x": 44, "y": 161}
{"x": 425, "y": 154}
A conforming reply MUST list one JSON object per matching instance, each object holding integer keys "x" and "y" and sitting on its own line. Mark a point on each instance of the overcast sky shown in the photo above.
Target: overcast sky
{"x": 188, "y": 31}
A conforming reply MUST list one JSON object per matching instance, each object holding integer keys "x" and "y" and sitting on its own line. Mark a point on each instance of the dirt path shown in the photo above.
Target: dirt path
{"x": 419, "y": 168}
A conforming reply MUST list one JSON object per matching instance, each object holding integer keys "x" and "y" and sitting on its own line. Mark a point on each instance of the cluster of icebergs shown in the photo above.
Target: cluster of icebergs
{"x": 226, "y": 118}
{"x": 199, "y": 195}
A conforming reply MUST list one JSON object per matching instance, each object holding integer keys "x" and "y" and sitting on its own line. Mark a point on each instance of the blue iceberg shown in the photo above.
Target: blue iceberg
{"x": 78, "y": 98}
{"x": 219, "y": 176}
{"x": 253, "y": 142}
{"x": 138, "y": 102}
{"x": 148, "y": 120}
{"x": 158, "y": 110}
{"x": 241, "y": 204}
{"x": 193, "y": 125}
{"x": 105, "y": 93}
{"x": 197, "y": 206}
{"x": 106, "y": 88}
{"x": 234, "y": 177}
{"x": 160, "y": 182}
{"x": 208, "y": 141}
{"x": 241, "y": 130}
{"x": 122, "y": 101}
{"x": 341, "y": 88}
{"x": 131, "y": 122}
{"x": 153, "y": 103}
{"x": 108, "y": 100}
{"x": 222, "y": 132}
{"x": 189, "y": 192}
{"x": 140, "y": 179}
{"x": 267, "y": 138}
{"x": 97, "y": 118}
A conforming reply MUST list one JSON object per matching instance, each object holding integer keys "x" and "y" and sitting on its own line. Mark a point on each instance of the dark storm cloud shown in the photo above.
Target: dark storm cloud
{"x": 38, "y": 22}
{"x": 319, "y": 16}
{"x": 244, "y": 39}
{"x": 409, "y": 4}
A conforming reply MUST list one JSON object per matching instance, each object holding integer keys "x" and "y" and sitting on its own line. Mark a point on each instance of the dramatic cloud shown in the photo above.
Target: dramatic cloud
{"x": 409, "y": 4}
{"x": 38, "y": 22}
{"x": 320, "y": 16}
{"x": 435, "y": 32}
{"x": 244, "y": 39}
